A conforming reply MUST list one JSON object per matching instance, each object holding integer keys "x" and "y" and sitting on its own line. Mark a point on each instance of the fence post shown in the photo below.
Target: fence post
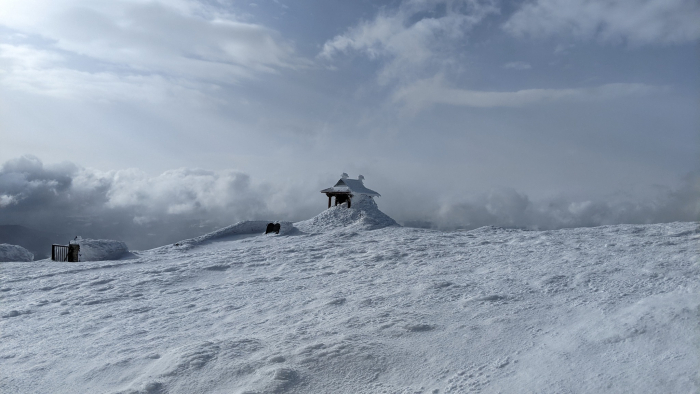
{"x": 73, "y": 253}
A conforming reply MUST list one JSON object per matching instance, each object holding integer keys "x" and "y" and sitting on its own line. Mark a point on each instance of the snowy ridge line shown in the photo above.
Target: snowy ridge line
{"x": 240, "y": 228}
{"x": 14, "y": 253}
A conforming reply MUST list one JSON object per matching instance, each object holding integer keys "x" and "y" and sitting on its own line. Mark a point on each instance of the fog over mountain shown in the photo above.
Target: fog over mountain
{"x": 146, "y": 211}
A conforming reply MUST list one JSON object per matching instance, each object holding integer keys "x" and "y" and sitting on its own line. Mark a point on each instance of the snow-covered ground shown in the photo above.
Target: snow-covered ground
{"x": 350, "y": 303}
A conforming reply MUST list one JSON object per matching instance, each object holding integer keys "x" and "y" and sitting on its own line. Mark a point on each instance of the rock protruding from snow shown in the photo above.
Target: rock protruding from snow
{"x": 363, "y": 214}
{"x": 101, "y": 249}
{"x": 14, "y": 253}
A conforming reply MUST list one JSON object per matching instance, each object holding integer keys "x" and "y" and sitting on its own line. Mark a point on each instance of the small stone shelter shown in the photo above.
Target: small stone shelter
{"x": 347, "y": 188}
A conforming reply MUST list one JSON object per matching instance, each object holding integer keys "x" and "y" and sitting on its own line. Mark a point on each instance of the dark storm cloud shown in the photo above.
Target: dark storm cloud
{"x": 28, "y": 189}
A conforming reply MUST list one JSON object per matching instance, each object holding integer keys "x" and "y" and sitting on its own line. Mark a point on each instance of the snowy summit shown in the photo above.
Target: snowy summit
{"x": 350, "y": 302}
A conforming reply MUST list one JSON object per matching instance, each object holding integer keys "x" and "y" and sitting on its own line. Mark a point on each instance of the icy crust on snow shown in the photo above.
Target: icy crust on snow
{"x": 102, "y": 249}
{"x": 612, "y": 309}
{"x": 363, "y": 214}
{"x": 14, "y": 253}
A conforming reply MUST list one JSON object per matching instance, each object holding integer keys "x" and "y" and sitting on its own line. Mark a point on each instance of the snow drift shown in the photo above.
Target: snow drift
{"x": 363, "y": 214}
{"x": 14, "y": 253}
{"x": 101, "y": 249}
{"x": 229, "y": 233}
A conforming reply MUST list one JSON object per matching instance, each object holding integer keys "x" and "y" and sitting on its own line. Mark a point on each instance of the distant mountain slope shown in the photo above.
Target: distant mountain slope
{"x": 36, "y": 241}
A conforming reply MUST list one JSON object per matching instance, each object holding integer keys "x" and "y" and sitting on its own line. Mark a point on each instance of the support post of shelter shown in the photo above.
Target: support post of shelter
{"x": 329, "y": 201}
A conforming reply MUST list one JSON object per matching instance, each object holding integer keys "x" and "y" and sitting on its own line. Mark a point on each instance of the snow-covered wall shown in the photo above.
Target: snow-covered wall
{"x": 14, "y": 253}
{"x": 101, "y": 249}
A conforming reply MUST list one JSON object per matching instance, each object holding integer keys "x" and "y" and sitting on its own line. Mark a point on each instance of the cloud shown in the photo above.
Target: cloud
{"x": 433, "y": 91}
{"x": 517, "y": 66}
{"x": 185, "y": 192}
{"x": 635, "y": 21}
{"x": 145, "y": 211}
{"x": 100, "y": 47}
{"x": 410, "y": 37}
{"x": 43, "y": 72}
{"x": 148, "y": 211}
{"x": 509, "y": 208}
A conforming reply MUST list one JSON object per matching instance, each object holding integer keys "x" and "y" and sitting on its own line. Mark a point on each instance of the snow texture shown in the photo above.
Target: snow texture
{"x": 14, "y": 253}
{"x": 236, "y": 231}
{"x": 102, "y": 249}
{"x": 363, "y": 214}
{"x": 352, "y": 303}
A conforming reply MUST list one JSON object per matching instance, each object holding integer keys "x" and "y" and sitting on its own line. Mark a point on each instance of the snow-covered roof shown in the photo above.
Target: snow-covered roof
{"x": 353, "y": 186}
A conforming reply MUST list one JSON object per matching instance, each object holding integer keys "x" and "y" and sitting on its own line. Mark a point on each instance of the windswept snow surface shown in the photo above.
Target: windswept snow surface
{"x": 102, "y": 249}
{"x": 14, "y": 253}
{"x": 344, "y": 309}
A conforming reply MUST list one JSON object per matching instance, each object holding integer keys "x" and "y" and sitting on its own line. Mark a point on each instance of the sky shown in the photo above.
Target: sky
{"x": 152, "y": 120}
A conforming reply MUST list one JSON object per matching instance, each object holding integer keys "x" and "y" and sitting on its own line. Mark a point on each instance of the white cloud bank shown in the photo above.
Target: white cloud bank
{"x": 509, "y": 208}
{"x": 635, "y": 21}
{"x": 150, "y": 211}
{"x": 128, "y": 204}
{"x": 28, "y": 184}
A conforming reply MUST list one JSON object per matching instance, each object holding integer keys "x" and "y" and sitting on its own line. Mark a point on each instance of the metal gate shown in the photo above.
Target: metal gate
{"x": 65, "y": 252}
